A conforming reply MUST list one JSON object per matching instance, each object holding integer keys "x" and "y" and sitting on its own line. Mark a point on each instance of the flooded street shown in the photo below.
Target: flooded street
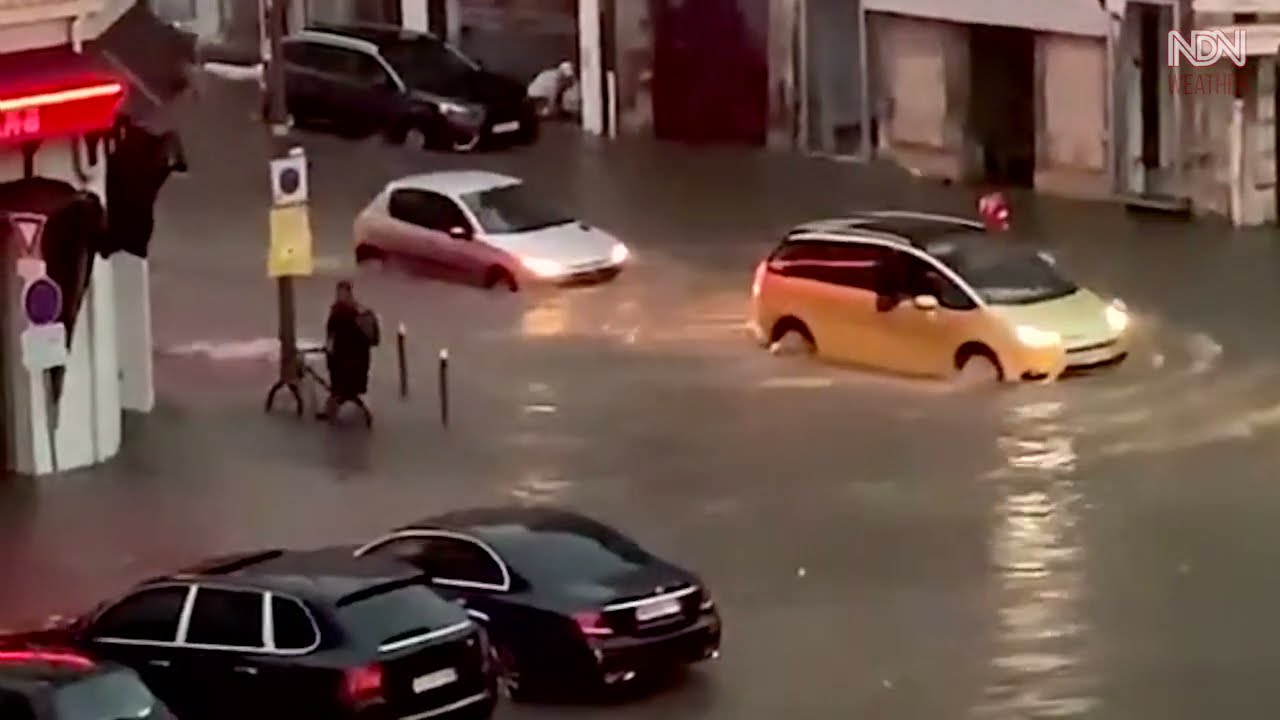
{"x": 1099, "y": 547}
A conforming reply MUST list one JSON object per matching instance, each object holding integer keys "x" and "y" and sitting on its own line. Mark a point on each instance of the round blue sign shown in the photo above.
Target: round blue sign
{"x": 42, "y": 301}
{"x": 290, "y": 181}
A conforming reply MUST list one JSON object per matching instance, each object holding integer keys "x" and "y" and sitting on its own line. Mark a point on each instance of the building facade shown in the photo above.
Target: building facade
{"x": 1004, "y": 92}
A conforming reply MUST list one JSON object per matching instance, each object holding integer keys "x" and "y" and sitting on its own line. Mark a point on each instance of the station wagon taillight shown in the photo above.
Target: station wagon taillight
{"x": 362, "y": 686}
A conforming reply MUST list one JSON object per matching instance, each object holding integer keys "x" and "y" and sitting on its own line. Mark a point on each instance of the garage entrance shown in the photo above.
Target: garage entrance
{"x": 1002, "y": 107}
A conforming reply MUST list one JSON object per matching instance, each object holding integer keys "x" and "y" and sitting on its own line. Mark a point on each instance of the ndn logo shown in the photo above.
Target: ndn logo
{"x": 1205, "y": 48}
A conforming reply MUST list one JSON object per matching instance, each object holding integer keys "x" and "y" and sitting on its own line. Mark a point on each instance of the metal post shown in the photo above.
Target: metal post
{"x": 864, "y": 55}
{"x": 1179, "y": 123}
{"x": 443, "y": 378}
{"x": 274, "y": 17}
{"x": 401, "y": 361}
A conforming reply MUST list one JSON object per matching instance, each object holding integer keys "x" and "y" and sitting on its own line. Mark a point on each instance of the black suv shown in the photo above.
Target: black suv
{"x": 411, "y": 87}
{"x": 42, "y": 683}
{"x": 310, "y": 635}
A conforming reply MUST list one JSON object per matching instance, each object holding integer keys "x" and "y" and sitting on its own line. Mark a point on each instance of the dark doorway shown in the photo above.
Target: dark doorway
{"x": 1150, "y": 39}
{"x": 1002, "y": 118}
{"x": 436, "y": 21}
{"x": 710, "y": 70}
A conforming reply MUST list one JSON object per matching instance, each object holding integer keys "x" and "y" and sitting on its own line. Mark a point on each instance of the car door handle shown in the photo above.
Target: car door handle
{"x": 246, "y": 670}
{"x": 159, "y": 663}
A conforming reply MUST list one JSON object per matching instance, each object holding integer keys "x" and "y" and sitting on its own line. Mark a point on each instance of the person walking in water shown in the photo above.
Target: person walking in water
{"x": 351, "y": 333}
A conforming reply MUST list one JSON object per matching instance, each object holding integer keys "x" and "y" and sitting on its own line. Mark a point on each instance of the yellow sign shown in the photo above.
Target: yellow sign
{"x": 290, "y": 251}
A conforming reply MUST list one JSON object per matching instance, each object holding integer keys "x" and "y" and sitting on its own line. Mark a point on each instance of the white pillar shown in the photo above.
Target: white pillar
{"x": 452, "y": 21}
{"x": 133, "y": 331}
{"x": 413, "y": 15}
{"x": 590, "y": 74}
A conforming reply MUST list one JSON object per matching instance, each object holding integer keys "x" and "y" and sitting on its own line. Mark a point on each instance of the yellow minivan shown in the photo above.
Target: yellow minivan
{"x": 931, "y": 295}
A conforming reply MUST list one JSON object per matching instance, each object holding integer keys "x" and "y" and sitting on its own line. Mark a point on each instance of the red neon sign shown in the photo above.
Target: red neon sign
{"x": 61, "y": 112}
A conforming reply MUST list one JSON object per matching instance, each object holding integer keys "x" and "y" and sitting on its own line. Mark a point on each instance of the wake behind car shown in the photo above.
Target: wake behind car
{"x": 484, "y": 228}
{"x": 410, "y": 87}
{"x": 931, "y": 295}
{"x": 567, "y": 601}
{"x": 50, "y": 683}
{"x": 280, "y": 634}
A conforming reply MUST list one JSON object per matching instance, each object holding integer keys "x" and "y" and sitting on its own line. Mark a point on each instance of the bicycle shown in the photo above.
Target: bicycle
{"x": 308, "y": 378}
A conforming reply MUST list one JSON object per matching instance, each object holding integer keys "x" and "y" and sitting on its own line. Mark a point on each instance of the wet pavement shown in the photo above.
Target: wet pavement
{"x": 1103, "y": 547}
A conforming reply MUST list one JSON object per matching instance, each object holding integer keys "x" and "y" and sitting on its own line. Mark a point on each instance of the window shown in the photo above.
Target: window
{"x": 402, "y": 610}
{"x": 174, "y": 11}
{"x": 113, "y": 695}
{"x": 459, "y": 560}
{"x": 426, "y": 209}
{"x": 917, "y": 277}
{"x": 510, "y": 209}
{"x": 430, "y": 65}
{"x": 147, "y": 615}
{"x": 405, "y": 549}
{"x": 365, "y": 68}
{"x": 293, "y": 627}
{"x": 1002, "y": 274}
{"x": 232, "y": 618}
{"x": 577, "y": 555}
{"x": 854, "y": 265}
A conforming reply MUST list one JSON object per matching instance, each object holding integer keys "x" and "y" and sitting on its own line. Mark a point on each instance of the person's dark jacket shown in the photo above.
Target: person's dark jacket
{"x": 350, "y": 347}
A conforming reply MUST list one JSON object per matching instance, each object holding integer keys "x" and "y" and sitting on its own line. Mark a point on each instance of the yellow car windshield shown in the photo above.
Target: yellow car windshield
{"x": 1002, "y": 274}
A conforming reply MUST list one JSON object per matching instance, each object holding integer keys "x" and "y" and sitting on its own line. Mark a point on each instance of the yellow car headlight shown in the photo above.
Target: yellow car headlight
{"x": 542, "y": 267}
{"x": 1117, "y": 317}
{"x": 1034, "y": 337}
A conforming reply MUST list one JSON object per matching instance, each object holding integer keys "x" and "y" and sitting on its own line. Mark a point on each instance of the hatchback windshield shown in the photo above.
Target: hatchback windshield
{"x": 106, "y": 697}
{"x": 567, "y": 556}
{"x": 401, "y": 611}
{"x": 1002, "y": 274}
{"x": 510, "y": 209}
{"x": 430, "y": 65}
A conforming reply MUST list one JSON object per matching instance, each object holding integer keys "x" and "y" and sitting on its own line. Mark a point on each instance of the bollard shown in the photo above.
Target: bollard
{"x": 400, "y": 358}
{"x": 444, "y": 387}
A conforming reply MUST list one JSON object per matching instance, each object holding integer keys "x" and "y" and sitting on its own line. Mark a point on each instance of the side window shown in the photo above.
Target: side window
{"x": 150, "y": 615}
{"x": 293, "y": 627}
{"x": 799, "y": 259}
{"x": 15, "y": 706}
{"x": 405, "y": 549}
{"x": 459, "y": 560}
{"x": 231, "y": 618}
{"x": 297, "y": 53}
{"x": 921, "y": 278}
{"x": 425, "y": 209}
{"x": 858, "y": 265}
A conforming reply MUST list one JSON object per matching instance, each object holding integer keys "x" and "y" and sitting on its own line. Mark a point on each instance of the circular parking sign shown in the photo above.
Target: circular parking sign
{"x": 42, "y": 301}
{"x": 290, "y": 181}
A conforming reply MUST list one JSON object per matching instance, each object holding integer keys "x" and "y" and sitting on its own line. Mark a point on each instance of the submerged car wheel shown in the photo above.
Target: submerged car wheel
{"x": 977, "y": 366}
{"x": 416, "y": 139}
{"x": 791, "y": 337}
{"x": 508, "y": 672}
{"x": 370, "y": 256}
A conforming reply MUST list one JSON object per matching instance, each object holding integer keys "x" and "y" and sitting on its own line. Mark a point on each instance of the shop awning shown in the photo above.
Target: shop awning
{"x": 156, "y": 58}
{"x": 1072, "y": 17}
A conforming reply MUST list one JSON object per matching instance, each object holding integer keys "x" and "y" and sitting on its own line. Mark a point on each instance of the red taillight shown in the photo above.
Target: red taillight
{"x": 592, "y": 624}
{"x": 363, "y": 685}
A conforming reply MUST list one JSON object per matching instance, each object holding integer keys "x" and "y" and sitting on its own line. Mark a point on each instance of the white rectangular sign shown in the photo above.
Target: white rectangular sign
{"x": 1204, "y": 48}
{"x": 44, "y": 347}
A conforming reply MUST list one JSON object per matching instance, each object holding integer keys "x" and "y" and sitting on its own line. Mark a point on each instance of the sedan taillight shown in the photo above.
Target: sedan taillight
{"x": 362, "y": 686}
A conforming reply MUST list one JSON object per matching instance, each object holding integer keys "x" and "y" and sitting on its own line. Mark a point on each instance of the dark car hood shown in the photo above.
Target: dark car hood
{"x": 636, "y": 584}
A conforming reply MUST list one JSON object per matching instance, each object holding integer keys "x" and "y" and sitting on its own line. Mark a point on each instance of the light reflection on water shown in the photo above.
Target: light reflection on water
{"x": 1037, "y": 668}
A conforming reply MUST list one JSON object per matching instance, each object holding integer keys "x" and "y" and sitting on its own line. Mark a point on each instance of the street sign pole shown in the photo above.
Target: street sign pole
{"x": 277, "y": 120}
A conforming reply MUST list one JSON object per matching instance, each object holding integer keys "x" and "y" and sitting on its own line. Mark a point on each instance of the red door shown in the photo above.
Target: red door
{"x": 710, "y": 70}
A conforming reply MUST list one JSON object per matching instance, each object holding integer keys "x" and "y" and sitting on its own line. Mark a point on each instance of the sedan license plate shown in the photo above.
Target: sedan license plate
{"x": 431, "y": 681}
{"x": 645, "y": 613}
{"x": 506, "y": 127}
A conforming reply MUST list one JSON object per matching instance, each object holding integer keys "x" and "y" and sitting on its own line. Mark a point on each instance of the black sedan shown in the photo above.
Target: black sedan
{"x": 279, "y": 634}
{"x": 567, "y": 601}
{"x": 410, "y": 87}
{"x": 51, "y": 683}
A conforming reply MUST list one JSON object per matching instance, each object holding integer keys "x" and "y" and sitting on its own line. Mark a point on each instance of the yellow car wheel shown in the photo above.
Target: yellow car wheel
{"x": 976, "y": 365}
{"x": 790, "y": 336}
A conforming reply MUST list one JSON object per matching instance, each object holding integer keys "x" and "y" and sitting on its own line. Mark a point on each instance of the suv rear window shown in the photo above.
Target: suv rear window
{"x": 402, "y": 610}
{"x": 118, "y": 694}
